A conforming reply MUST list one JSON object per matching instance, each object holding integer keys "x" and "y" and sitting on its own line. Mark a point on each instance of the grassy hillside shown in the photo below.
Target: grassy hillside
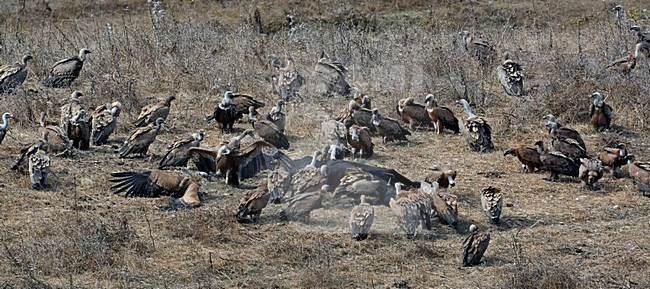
{"x": 552, "y": 235}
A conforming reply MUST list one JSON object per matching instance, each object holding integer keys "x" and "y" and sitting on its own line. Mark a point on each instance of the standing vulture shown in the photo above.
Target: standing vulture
{"x": 225, "y": 115}
{"x": 79, "y": 131}
{"x": 360, "y": 140}
{"x": 527, "y": 155}
{"x": 39, "y": 168}
{"x": 477, "y": 48}
{"x": 269, "y": 132}
{"x": 563, "y": 131}
{"x": 103, "y": 122}
{"x": 626, "y": 64}
{"x": 243, "y": 104}
{"x": 567, "y": 146}
{"x": 614, "y": 157}
{"x": 177, "y": 153}
{"x": 557, "y": 163}
{"x": 412, "y": 209}
{"x": 361, "y": 219}
{"x": 300, "y": 207}
{"x": 474, "y": 246}
{"x": 54, "y": 137}
{"x": 640, "y": 174}
{"x": 444, "y": 204}
{"x": 278, "y": 182}
{"x": 388, "y": 128}
{"x": 70, "y": 109}
{"x": 235, "y": 164}
{"x": 479, "y": 132}
{"x": 413, "y": 113}
{"x": 492, "y": 202}
{"x": 5, "y": 124}
{"x": 276, "y": 116}
{"x": 141, "y": 138}
{"x": 65, "y": 71}
{"x": 590, "y": 171}
{"x": 441, "y": 116}
{"x": 600, "y": 112}
{"x": 362, "y": 117}
{"x": 333, "y": 75}
{"x": 12, "y": 76}
{"x": 288, "y": 79}
{"x": 152, "y": 112}
{"x": 252, "y": 203}
{"x": 153, "y": 184}
{"x": 510, "y": 76}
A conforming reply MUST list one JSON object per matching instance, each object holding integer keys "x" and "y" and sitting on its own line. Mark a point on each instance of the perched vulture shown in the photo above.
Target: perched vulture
{"x": 5, "y": 124}
{"x": 361, "y": 219}
{"x": 477, "y": 48}
{"x": 600, "y": 112}
{"x": 276, "y": 116}
{"x": 270, "y": 133}
{"x": 39, "y": 168}
{"x": 590, "y": 171}
{"x": 333, "y": 74}
{"x": 492, "y": 202}
{"x": 412, "y": 209}
{"x": 614, "y": 157}
{"x": 334, "y": 132}
{"x": 243, "y": 104}
{"x": 153, "y": 184}
{"x": 413, "y": 114}
{"x": 54, "y": 137}
{"x": 70, "y": 109}
{"x": 356, "y": 183}
{"x": 474, "y": 246}
{"x": 443, "y": 176}
{"x": 442, "y": 117}
{"x": 479, "y": 132}
{"x": 66, "y": 70}
{"x": 388, "y": 128}
{"x": 527, "y": 155}
{"x": 278, "y": 182}
{"x": 563, "y": 131}
{"x": 252, "y": 203}
{"x": 177, "y": 153}
{"x": 567, "y": 146}
{"x": 238, "y": 164}
{"x": 288, "y": 79}
{"x": 141, "y": 138}
{"x": 78, "y": 131}
{"x": 336, "y": 169}
{"x": 510, "y": 76}
{"x": 300, "y": 206}
{"x": 625, "y": 65}
{"x": 557, "y": 163}
{"x": 640, "y": 174}
{"x": 444, "y": 204}
{"x": 103, "y": 122}
{"x": 12, "y": 76}
{"x": 359, "y": 139}
{"x": 154, "y": 111}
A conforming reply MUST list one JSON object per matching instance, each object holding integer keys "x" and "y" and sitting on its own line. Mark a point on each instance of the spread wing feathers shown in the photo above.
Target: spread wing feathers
{"x": 259, "y": 156}
{"x": 590, "y": 171}
{"x": 151, "y": 112}
{"x": 446, "y": 207}
{"x": 242, "y": 102}
{"x": 64, "y": 72}
{"x": 566, "y": 132}
{"x": 270, "y": 133}
{"x": 492, "y": 202}
{"x": 300, "y": 206}
{"x": 361, "y": 219}
{"x": 474, "y": 247}
{"x": 103, "y": 125}
{"x": 177, "y": 154}
{"x": 148, "y": 184}
{"x": 337, "y": 168}
{"x": 204, "y": 159}
{"x": 479, "y": 135}
{"x": 252, "y": 202}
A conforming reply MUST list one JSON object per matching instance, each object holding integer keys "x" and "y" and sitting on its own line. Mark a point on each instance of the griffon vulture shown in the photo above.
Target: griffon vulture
{"x": 153, "y": 184}
{"x": 141, "y": 138}
{"x": 600, "y": 112}
{"x": 412, "y": 209}
{"x": 527, "y": 155}
{"x": 477, "y": 48}
{"x": 361, "y": 219}
{"x": 5, "y": 124}
{"x": 288, "y": 79}
{"x": 269, "y": 132}
{"x": 252, "y": 203}
{"x": 104, "y": 120}
{"x": 492, "y": 203}
{"x": 557, "y": 163}
{"x": 479, "y": 132}
{"x": 12, "y": 76}
{"x": 413, "y": 113}
{"x": 154, "y": 111}
{"x": 563, "y": 131}
{"x": 510, "y": 76}
{"x": 277, "y": 117}
{"x": 67, "y": 70}
{"x": 39, "y": 168}
{"x": 474, "y": 246}
{"x": 70, "y": 109}
{"x": 78, "y": 131}
{"x": 590, "y": 171}
{"x": 177, "y": 153}
{"x": 357, "y": 182}
{"x": 640, "y": 174}
{"x": 54, "y": 137}
{"x": 333, "y": 74}
{"x": 300, "y": 206}
{"x": 360, "y": 140}
{"x": 388, "y": 128}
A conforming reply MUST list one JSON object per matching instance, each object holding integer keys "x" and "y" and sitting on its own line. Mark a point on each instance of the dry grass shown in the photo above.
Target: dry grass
{"x": 552, "y": 235}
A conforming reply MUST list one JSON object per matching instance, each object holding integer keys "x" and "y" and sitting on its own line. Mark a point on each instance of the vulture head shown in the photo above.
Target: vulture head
{"x": 169, "y": 99}
{"x": 468, "y": 110}
{"x": 430, "y": 97}
{"x": 473, "y": 228}
{"x": 83, "y": 54}
{"x": 159, "y": 121}
{"x": 366, "y": 100}
{"x": 76, "y": 95}
{"x": 618, "y": 8}
{"x": 116, "y": 107}
{"x": 354, "y": 134}
{"x": 6, "y": 116}
{"x": 549, "y": 117}
{"x": 540, "y": 146}
{"x": 227, "y": 97}
{"x": 199, "y": 135}
{"x": 223, "y": 151}
{"x": 635, "y": 28}
{"x": 598, "y": 98}
{"x": 27, "y": 58}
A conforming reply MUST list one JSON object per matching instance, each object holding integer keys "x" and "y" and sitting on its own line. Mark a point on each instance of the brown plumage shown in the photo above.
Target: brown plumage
{"x": 557, "y": 163}
{"x": 39, "y": 168}
{"x": 177, "y": 153}
{"x": 563, "y": 131}
{"x": 104, "y": 120}
{"x": 308, "y": 179}
{"x": 492, "y": 202}
{"x": 590, "y": 171}
{"x": 412, "y": 209}
{"x": 70, "y": 109}
{"x": 5, "y": 125}
{"x": 388, "y": 128}
{"x": 640, "y": 174}
{"x": 238, "y": 164}
{"x": 511, "y": 77}
{"x": 252, "y": 203}
{"x": 600, "y": 112}
{"x": 333, "y": 74}
{"x": 442, "y": 117}
{"x": 299, "y": 207}
{"x": 357, "y": 182}
{"x": 625, "y": 65}
{"x": 270, "y": 133}
{"x": 444, "y": 176}
{"x": 445, "y": 204}
{"x": 334, "y": 132}
{"x": 474, "y": 246}
{"x": 78, "y": 131}
{"x": 288, "y": 79}
{"x": 235, "y": 142}
{"x": 624, "y": 170}
{"x": 141, "y": 138}
{"x": 12, "y": 76}
{"x": 567, "y": 146}
{"x": 278, "y": 182}
{"x": 67, "y": 70}
{"x": 361, "y": 219}
{"x": 151, "y": 112}
{"x": 527, "y": 155}
{"x": 614, "y": 157}
{"x": 479, "y": 132}
{"x": 413, "y": 113}
{"x": 360, "y": 140}
{"x": 277, "y": 117}
{"x": 55, "y": 139}
{"x": 153, "y": 184}
{"x": 478, "y": 49}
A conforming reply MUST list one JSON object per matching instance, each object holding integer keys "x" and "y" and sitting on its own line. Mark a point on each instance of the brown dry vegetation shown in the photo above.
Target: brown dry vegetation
{"x": 552, "y": 235}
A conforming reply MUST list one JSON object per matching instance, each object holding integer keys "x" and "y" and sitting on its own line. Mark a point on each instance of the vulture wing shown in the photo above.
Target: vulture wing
{"x": 148, "y": 184}
{"x": 259, "y": 156}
